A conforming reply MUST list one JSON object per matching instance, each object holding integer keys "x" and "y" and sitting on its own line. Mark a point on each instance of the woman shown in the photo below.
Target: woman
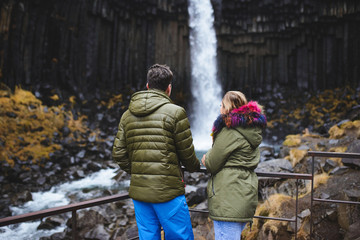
{"x": 233, "y": 187}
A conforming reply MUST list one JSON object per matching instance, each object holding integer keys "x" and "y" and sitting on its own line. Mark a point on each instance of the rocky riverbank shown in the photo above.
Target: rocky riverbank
{"x": 75, "y": 138}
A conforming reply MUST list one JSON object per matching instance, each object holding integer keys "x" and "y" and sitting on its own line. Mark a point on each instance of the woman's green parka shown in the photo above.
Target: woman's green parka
{"x": 233, "y": 188}
{"x": 152, "y": 141}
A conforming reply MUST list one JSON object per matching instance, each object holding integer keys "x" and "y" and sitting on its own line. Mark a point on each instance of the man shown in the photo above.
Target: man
{"x": 152, "y": 141}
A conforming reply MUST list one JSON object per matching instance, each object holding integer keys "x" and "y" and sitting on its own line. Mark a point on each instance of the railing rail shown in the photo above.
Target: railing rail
{"x": 117, "y": 197}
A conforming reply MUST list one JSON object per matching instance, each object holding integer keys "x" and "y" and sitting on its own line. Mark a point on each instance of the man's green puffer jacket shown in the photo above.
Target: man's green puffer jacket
{"x": 153, "y": 139}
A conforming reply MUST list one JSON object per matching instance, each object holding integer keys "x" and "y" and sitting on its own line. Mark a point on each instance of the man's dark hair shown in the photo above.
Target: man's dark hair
{"x": 159, "y": 77}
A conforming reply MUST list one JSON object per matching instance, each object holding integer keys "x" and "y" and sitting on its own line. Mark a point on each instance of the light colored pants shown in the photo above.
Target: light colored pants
{"x": 228, "y": 230}
{"x": 173, "y": 216}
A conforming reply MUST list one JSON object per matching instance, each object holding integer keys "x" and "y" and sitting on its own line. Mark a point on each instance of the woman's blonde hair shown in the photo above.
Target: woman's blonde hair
{"x": 233, "y": 100}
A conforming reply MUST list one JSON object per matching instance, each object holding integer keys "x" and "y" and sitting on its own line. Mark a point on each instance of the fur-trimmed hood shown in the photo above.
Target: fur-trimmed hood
{"x": 246, "y": 116}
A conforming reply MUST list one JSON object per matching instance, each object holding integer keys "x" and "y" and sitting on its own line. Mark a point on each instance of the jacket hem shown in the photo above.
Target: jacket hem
{"x": 227, "y": 219}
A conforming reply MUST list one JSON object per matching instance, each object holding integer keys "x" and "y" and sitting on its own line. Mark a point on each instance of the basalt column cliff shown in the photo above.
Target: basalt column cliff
{"x": 85, "y": 45}
{"x": 301, "y": 44}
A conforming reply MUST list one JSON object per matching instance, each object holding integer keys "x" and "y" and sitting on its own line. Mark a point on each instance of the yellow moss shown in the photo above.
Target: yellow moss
{"x": 351, "y": 128}
{"x": 296, "y": 155}
{"x": 336, "y": 132}
{"x": 55, "y": 97}
{"x": 25, "y": 97}
{"x": 72, "y": 101}
{"x": 340, "y": 149}
{"x": 114, "y": 100}
{"x": 318, "y": 180}
{"x": 26, "y": 124}
{"x": 356, "y": 123}
{"x": 77, "y": 124}
{"x": 338, "y": 161}
{"x": 274, "y": 206}
{"x": 292, "y": 141}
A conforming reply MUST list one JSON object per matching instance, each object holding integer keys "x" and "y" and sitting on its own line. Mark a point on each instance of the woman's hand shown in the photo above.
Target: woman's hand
{"x": 203, "y": 160}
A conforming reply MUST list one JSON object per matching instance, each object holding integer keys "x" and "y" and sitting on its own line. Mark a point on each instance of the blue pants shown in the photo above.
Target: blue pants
{"x": 173, "y": 216}
{"x": 228, "y": 230}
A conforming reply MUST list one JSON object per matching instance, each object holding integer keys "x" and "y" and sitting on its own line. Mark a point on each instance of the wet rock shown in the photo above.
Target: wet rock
{"x": 25, "y": 177}
{"x": 129, "y": 211}
{"x": 118, "y": 232}
{"x": 354, "y": 147}
{"x": 48, "y": 165}
{"x": 46, "y": 142}
{"x": 87, "y": 221}
{"x": 57, "y": 236}
{"x": 329, "y": 165}
{"x": 41, "y": 180}
{"x": 4, "y": 207}
{"x": 195, "y": 178}
{"x": 35, "y": 168}
{"x": 93, "y": 166}
{"x": 317, "y": 165}
{"x": 11, "y": 114}
{"x": 109, "y": 143}
{"x": 110, "y": 165}
{"x": 353, "y": 193}
{"x": 332, "y": 215}
{"x": 305, "y": 213}
{"x": 38, "y": 129}
{"x": 266, "y": 153}
{"x": 51, "y": 223}
{"x": 79, "y": 174}
{"x": 65, "y": 131}
{"x": 99, "y": 116}
{"x": 97, "y": 232}
{"x": 353, "y": 232}
{"x": 354, "y": 113}
{"x": 130, "y": 233}
{"x": 275, "y": 165}
{"x": 339, "y": 170}
{"x": 121, "y": 175}
{"x": 342, "y": 122}
{"x": 324, "y": 195}
{"x": 196, "y": 197}
{"x": 13, "y": 174}
{"x": 94, "y": 149}
{"x": 71, "y": 161}
{"x": 22, "y": 197}
{"x": 81, "y": 154}
{"x": 122, "y": 221}
{"x": 284, "y": 151}
{"x": 92, "y": 138}
{"x": 351, "y": 162}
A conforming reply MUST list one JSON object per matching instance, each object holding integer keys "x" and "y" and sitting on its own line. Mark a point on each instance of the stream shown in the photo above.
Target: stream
{"x": 87, "y": 188}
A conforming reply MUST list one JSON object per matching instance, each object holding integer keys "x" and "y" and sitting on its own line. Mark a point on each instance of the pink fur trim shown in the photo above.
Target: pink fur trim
{"x": 252, "y": 106}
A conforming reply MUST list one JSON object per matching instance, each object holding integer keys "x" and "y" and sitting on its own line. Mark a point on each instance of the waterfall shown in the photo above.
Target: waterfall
{"x": 206, "y": 90}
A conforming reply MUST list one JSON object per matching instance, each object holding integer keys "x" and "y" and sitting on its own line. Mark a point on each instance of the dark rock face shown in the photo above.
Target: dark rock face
{"x": 299, "y": 44}
{"x": 86, "y": 46}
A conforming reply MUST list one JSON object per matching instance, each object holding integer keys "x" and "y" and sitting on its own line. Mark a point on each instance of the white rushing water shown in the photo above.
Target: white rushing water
{"x": 205, "y": 88}
{"x": 59, "y": 196}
